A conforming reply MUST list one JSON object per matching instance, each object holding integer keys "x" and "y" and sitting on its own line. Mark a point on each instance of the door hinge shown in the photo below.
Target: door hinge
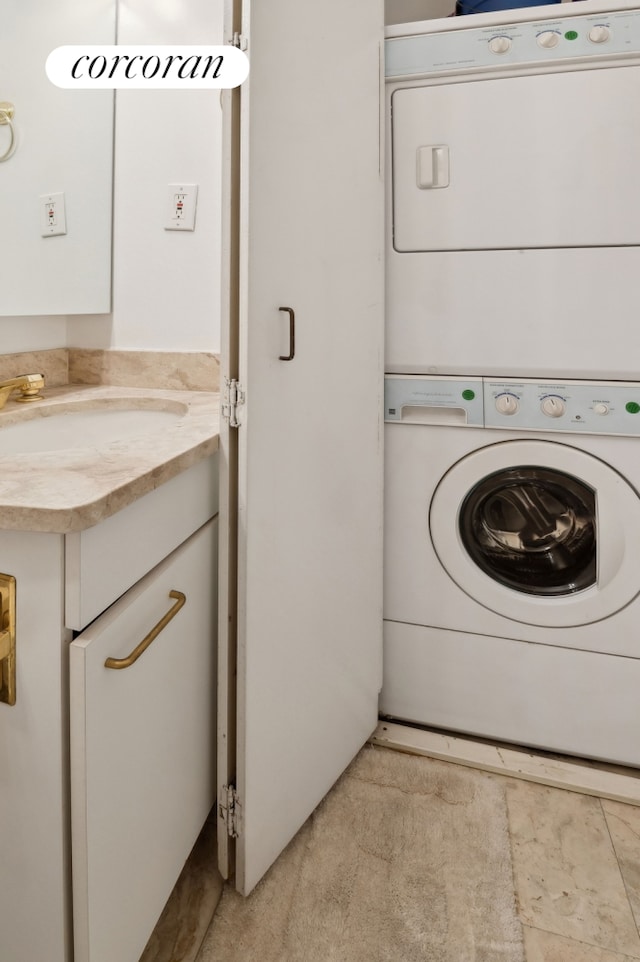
{"x": 240, "y": 40}
{"x": 233, "y": 398}
{"x": 229, "y": 810}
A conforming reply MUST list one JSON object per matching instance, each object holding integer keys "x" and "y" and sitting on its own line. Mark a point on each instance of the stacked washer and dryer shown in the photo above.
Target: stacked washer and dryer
{"x": 512, "y": 398}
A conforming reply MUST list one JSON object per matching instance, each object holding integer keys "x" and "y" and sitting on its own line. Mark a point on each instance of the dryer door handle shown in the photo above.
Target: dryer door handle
{"x": 432, "y": 167}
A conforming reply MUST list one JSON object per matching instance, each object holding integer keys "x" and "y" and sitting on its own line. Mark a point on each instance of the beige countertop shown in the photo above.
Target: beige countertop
{"x": 77, "y": 487}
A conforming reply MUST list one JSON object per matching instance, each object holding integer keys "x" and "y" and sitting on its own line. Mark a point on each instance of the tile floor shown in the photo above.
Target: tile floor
{"x": 576, "y": 870}
{"x": 576, "y": 874}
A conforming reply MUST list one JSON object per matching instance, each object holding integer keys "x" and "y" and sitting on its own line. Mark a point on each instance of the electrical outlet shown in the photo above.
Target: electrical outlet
{"x": 53, "y": 219}
{"x": 183, "y": 199}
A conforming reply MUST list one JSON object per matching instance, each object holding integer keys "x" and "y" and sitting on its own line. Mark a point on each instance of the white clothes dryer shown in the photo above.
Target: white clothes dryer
{"x": 513, "y": 200}
{"x": 512, "y": 561}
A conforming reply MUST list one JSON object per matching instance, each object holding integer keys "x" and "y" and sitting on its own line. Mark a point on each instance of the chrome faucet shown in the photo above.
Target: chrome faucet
{"x": 29, "y": 386}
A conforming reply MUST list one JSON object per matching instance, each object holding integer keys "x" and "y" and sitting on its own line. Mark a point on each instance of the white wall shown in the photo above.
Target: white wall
{"x": 32, "y": 333}
{"x": 165, "y": 283}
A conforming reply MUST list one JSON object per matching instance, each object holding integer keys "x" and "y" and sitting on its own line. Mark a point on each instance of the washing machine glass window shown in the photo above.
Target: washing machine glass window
{"x": 532, "y": 529}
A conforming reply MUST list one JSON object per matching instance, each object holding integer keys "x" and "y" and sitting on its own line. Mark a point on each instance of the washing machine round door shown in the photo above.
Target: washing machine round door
{"x": 539, "y": 532}
{"x": 532, "y": 529}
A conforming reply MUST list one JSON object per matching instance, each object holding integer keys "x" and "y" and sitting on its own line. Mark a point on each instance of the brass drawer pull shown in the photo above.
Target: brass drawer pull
{"x": 146, "y": 641}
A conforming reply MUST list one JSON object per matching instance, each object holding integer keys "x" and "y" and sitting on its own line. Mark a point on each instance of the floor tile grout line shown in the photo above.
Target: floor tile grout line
{"x": 615, "y": 852}
{"x": 591, "y": 945}
{"x": 514, "y": 884}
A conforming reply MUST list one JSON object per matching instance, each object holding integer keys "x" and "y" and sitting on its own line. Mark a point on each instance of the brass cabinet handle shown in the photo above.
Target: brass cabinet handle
{"x": 292, "y": 334}
{"x": 146, "y": 641}
{"x": 7, "y": 639}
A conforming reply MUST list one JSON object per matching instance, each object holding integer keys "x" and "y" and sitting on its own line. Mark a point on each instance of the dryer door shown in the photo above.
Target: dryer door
{"x": 539, "y": 532}
{"x": 517, "y": 162}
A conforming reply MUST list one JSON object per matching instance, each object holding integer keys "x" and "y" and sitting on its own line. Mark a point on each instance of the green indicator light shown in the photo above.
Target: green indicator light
{"x": 632, "y": 407}
{"x": 571, "y": 35}
{"x": 469, "y": 395}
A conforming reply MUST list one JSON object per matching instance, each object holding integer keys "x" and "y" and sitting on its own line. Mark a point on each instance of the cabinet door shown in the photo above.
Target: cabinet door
{"x": 142, "y": 751}
{"x": 34, "y": 877}
{"x": 309, "y": 655}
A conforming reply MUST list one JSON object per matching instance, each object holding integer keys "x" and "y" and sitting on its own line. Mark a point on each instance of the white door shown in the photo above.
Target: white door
{"x": 309, "y": 520}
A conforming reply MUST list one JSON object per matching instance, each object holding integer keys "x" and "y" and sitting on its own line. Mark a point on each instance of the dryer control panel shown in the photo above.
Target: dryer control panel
{"x": 520, "y": 404}
{"x": 584, "y": 38}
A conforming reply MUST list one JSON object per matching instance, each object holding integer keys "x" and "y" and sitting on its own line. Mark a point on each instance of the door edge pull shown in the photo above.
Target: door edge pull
{"x": 119, "y": 663}
{"x": 292, "y": 334}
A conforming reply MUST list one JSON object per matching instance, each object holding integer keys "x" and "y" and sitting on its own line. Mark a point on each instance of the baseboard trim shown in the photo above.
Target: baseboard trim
{"x": 574, "y": 775}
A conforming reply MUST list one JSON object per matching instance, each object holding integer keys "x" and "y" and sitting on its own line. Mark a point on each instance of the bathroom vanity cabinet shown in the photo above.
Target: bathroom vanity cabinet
{"x": 107, "y": 774}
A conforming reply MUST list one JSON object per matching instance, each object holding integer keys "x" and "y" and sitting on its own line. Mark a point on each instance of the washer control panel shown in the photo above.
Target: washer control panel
{"x": 520, "y": 404}
{"x": 433, "y": 400}
{"x": 590, "y": 407}
{"x": 533, "y": 42}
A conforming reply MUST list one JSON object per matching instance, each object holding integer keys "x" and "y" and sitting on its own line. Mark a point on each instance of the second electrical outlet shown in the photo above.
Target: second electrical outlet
{"x": 53, "y": 219}
{"x": 183, "y": 199}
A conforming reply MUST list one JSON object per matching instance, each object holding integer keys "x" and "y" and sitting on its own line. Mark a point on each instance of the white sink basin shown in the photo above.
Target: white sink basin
{"x": 63, "y": 430}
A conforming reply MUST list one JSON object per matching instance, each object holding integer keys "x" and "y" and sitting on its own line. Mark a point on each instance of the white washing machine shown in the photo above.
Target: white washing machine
{"x": 512, "y": 570}
{"x": 513, "y": 193}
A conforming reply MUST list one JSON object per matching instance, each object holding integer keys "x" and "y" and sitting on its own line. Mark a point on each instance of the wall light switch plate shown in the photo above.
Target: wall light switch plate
{"x": 53, "y": 219}
{"x": 182, "y": 201}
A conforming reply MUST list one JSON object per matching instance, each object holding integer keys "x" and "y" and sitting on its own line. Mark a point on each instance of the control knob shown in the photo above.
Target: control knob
{"x": 499, "y": 44}
{"x": 599, "y": 34}
{"x": 601, "y": 408}
{"x": 507, "y": 404}
{"x": 553, "y": 406}
{"x": 548, "y": 39}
